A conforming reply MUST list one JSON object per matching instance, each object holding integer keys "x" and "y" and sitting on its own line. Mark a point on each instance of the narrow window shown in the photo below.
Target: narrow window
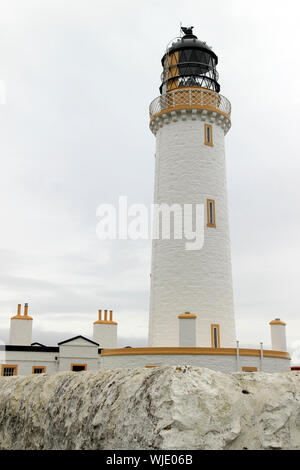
{"x": 208, "y": 134}
{"x": 8, "y": 370}
{"x": 78, "y": 367}
{"x": 211, "y": 213}
{"x": 38, "y": 369}
{"x": 249, "y": 369}
{"x": 215, "y": 336}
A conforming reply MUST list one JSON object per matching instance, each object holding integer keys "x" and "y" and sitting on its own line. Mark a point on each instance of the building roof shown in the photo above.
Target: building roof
{"x": 12, "y": 347}
{"x": 77, "y": 337}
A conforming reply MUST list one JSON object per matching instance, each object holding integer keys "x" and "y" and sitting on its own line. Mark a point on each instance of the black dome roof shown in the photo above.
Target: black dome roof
{"x": 190, "y": 41}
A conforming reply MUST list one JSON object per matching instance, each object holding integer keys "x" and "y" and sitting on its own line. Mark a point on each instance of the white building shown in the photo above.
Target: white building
{"x": 191, "y": 307}
{"x": 22, "y": 357}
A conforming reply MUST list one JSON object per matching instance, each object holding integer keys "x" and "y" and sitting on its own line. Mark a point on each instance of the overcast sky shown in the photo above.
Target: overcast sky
{"x": 74, "y": 133}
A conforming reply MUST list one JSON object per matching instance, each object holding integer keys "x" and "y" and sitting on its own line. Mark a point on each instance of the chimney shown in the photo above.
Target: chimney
{"x": 20, "y": 333}
{"x": 105, "y": 330}
{"x": 278, "y": 335}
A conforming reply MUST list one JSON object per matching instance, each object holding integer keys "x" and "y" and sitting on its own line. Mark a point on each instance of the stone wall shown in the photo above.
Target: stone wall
{"x": 160, "y": 408}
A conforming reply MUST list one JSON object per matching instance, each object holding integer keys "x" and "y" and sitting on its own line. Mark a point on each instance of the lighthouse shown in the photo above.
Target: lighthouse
{"x": 191, "y": 303}
{"x": 190, "y": 119}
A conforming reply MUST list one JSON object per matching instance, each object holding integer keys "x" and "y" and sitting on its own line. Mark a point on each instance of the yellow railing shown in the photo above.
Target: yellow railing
{"x": 190, "y": 98}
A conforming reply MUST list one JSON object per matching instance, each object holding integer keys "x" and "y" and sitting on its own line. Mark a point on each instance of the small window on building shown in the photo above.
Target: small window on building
{"x": 8, "y": 370}
{"x": 78, "y": 367}
{"x": 249, "y": 369}
{"x": 211, "y": 213}
{"x": 215, "y": 336}
{"x": 208, "y": 134}
{"x": 39, "y": 370}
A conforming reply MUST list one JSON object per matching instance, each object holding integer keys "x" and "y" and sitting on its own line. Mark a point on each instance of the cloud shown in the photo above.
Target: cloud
{"x": 74, "y": 134}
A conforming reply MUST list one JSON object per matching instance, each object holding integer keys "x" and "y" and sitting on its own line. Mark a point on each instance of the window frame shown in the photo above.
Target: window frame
{"x": 38, "y": 367}
{"x": 208, "y": 141}
{"x": 4, "y": 366}
{"x": 81, "y": 365}
{"x": 217, "y": 327}
{"x": 213, "y": 202}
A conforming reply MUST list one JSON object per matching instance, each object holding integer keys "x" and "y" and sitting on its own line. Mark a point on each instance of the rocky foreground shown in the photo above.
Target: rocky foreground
{"x": 159, "y": 408}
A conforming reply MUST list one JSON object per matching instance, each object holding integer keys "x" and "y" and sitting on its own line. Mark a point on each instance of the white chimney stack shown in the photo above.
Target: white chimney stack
{"x": 105, "y": 330}
{"x": 20, "y": 333}
{"x": 278, "y": 335}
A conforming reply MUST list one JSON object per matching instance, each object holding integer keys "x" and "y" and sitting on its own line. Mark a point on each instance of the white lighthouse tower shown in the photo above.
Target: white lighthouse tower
{"x": 190, "y": 120}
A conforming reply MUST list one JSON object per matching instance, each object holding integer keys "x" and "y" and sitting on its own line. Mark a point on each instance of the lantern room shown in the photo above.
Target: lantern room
{"x": 189, "y": 62}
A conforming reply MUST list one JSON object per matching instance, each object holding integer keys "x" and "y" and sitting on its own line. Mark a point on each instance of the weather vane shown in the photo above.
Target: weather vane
{"x": 187, "y": 31}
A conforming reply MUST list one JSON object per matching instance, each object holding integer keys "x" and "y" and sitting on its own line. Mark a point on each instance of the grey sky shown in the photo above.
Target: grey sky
{"x": 74, "y": 133}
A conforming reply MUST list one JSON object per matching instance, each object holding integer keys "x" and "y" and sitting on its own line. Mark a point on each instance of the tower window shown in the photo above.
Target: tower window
{"x": 208, "y": 134}
{"x": 211, "y": 213}
{"x": 38, "y": 369}
{"x": 215, "y": 336}
{"x": 8, "y": 370}
{"x": 78, "y": 367}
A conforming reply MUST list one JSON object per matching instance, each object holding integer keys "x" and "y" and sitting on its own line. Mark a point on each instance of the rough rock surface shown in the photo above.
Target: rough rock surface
{"x": 159, "y": 408}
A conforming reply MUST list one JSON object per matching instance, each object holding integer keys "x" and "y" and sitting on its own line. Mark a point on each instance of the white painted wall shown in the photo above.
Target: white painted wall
{"x": 187, "y": 171}
{"x": 78, "y": 352}
{"x": 25, "y": 360}
{"x": 224, "y": 364}
{"x": 88, "y": 355}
